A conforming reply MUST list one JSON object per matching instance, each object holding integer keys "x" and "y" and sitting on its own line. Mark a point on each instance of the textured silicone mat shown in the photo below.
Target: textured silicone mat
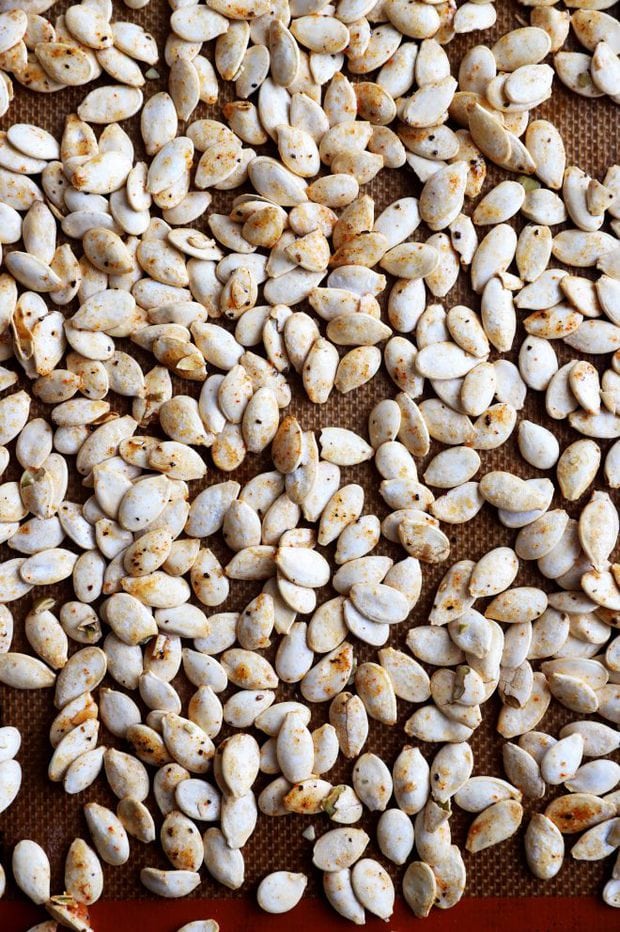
{"x": 42, "y": 811}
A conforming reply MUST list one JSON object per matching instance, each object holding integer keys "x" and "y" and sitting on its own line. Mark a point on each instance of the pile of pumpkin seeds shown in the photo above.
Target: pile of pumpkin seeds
{"x": 300, "y": 286}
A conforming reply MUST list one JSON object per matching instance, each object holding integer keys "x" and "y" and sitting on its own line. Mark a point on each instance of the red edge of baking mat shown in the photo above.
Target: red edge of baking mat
{"x": 488, "y": 914}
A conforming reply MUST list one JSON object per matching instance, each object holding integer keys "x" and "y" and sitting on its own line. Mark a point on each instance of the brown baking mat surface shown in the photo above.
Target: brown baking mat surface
{"x": 42, "y": 811}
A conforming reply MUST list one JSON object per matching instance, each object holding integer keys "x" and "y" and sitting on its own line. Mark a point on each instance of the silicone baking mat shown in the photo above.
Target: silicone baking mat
{"x": 43, "y": 812}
